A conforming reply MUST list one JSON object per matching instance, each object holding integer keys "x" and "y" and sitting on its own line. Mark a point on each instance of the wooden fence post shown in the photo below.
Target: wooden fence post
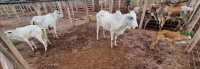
{"x": 64, "y": 6}
{"x": 20, "y": 62}
{"x": 194, "y": 41}
{"x": 87, "y": 10}
{"x": 72, "y": 8}
{"x": 21, "y": 9}
{"x": 143, "y": 13}
{"x": 195, "y": 7}
{"x": 45, "y": 7}
{"x": 6, "y": 11}
{"x": 60, "y": 7}
{"x": 1, "y": 11}
{"x": 194, "y": 21}
{"x": 192, "y": 3}
{"x": 6, "y": 64}
{"x": 119, "y": 4}
{"x": 93, "y": 5}
{"x": 16, "y": 13}
{"x": 69, "y": 15}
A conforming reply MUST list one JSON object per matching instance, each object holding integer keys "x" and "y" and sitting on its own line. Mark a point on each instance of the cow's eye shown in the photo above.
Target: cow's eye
{"x": 9, "y": 32}
{"x": 131, "y": 17}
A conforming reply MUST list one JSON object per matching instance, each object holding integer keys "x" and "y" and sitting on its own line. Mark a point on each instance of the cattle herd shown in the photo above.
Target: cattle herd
{"x": 116, "y": 23}
{"x": 166, "y": 11}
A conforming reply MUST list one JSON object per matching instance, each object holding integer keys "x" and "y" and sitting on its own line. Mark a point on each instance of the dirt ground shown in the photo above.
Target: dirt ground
{"x": 77, "y": 48}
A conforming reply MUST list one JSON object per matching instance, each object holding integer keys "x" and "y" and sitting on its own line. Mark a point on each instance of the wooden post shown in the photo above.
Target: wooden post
{"x": 192, "y": 3}
{"x": 11, "y": 48}
{"x": 64, "y": 6}
{"x": 194, "y": 41}
{"x": 101, "y": 6}
{"x": 76, "y": 5}
{"x": 21, "y": 9}
{"x": 1, "y": 11}
{"x": 16, "y": 13}
{"x": 106, "y": 3}
{"x": 143, "y": 13}
{"x": 111, "y": 6}
{"x": 119, "y": 4}
{"x": 194, "y": 10}
{"x": 50, "y": 6}
{"x": 6, "y": 64}
{"x": 93, "y": 5}
{"x": 69, "y": 15}
{"x": 37, "y": 9}
{"x": 86, "y": 6}
{"x": 60, "y": 7}
{"x": 70, "y": 2}
{"x": 45, "y": 7}
{"x": 194, "y": 21}
{"x": 138, "y": 3}
{"x": 6, "y": 11}
{"x": 29, "y": 6}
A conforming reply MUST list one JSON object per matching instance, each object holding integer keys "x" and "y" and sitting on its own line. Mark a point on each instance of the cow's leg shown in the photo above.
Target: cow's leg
{"x": 98, "y": 31}
{"x": 155, "y": 41}
{"x": 40, "y": 38}
{"x": 33, "y": 44}
{"x": 45, "y": 34}
{"x": 179, "y": 23}
{"x": 116, "y": 39}
{"x": 29, "y": 43}
{"x": 148, "y": 19}
{"x": 162, "y": 23}
{"x": 111, "y": 36}
{"x": 104, "y": 34}
{"x": 55, "y": 33}
{"x": 172, "y": 45}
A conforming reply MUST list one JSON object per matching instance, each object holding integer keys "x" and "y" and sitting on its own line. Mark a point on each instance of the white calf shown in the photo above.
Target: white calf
{"x": 47, "y": 21}
{"x": 115, "y": 23}
{"x": 27, "y": 32}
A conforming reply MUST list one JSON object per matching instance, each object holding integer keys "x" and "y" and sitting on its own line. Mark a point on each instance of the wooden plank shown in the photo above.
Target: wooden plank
{"x": 138, "y": 3}
{"x": 1, "y": 10}
{"x": 6, "y": 11}
{"x": 194, "y": 21}
{"x": 119, "y": 4}
{"x": 50, "y": 6}
{"x": 194, "y": 41}
{"x": 12, "y": 48}
{"x": 45, "y": 7}
{"x": 60, "y": 8}
{"x": 86, "y": 7}
{"x": 71, "y": 6}
{"x": 192, "y": 3}
{"x": 64, "y": 6}
{"x": 69, "y": 15}
{"x": 16, "y": 13}
{"x": 143, "y": 13}
{"x": 93, "y": 5}
{"x": 76, "y": 5}
{"x": 194, "y": 10}
{"x": 21, "y": 9}
{"x": 6, "y": 64}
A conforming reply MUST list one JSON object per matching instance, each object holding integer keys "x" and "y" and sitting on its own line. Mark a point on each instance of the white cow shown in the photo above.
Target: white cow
{"x": 115, "y": 23}
{"x": 26, "y": 33}
{"x": 47, "y": 21}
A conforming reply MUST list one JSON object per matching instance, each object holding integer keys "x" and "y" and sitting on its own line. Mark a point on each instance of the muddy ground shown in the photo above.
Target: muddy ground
{"x": 77, "y": 48}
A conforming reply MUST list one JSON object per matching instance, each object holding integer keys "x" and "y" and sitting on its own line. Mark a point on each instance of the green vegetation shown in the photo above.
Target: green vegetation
{"x": 15, "y": 43}
{"x": 192, "y": 33}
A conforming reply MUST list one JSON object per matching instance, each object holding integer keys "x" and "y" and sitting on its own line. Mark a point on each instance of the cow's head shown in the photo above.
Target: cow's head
{"x": 58, "y": 14}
